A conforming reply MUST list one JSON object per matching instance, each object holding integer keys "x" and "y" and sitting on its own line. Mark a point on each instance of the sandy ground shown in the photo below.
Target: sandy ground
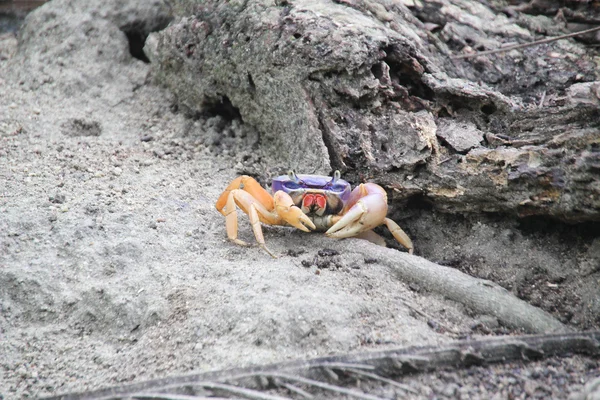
{"x": 114, "y": 264}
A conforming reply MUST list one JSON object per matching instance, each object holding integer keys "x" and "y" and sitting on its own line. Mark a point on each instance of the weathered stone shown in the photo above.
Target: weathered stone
{"x": 361, "y": 86}
{"x": 461, "y": 137}
{"x": 584, "y": 93}
{"x": 84, "y": 30}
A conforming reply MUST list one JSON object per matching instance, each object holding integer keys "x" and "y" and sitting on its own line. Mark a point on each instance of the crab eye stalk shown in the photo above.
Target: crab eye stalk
{"x": 294, "y": 182}
{"x": 293, "y": 177}
{"x": 336, "y": 176}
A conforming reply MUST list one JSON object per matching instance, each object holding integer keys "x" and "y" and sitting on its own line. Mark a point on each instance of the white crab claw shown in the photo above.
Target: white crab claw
{"x": 348, "y": 226}
{"x": 366, "y": 214}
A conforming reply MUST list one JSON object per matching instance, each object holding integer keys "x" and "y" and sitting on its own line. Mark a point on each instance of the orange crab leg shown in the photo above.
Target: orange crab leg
{"x": 248, "y": 184}
{"x": 400, "y": 236}
{"x": 231, "y": 221}
{"x": 256, "y": 213}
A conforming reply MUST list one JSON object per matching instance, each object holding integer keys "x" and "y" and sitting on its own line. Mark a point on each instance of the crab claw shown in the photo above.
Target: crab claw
{"x": 285, "y": 208}
{"x": 368, "y": 210}
{"x": 367, "y": 213}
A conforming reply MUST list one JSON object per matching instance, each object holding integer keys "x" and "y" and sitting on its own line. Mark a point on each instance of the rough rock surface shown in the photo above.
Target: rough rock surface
{"x": 363, "y": 87}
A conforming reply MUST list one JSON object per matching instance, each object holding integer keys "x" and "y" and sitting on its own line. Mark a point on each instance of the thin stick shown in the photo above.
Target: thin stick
{"x": 341, "y": 365}
{"x": 296, "y": 390}
{"x": 382, "y": 379}
{"x": 326, "y": 386}
{"x": 521, "y": 46}
{"x": 248, "y": 393}
{"x": 428, "y": 317}
{"x": 166, "y": 396}
{"x": 542, "y": 99}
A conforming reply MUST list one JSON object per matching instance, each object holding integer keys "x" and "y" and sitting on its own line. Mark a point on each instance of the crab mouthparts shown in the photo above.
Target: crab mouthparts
{"x": 314, "y": 202}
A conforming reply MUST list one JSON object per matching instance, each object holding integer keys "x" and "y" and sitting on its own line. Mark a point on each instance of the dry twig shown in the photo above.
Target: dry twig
{"x": 524, "y": 45}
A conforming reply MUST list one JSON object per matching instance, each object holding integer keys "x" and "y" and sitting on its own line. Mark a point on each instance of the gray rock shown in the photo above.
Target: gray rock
{"x": 461, "y": 137}
{"x": 358, "y": 87}
{"x": 584, "y": 93}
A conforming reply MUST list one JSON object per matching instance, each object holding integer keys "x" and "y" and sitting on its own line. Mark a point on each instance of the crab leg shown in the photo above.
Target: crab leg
{"x": 372, "y": 237}
{"x": 400, "y": 236}
{"x": 250, "y": 206}
{"x": 248, "y": 184}
{"x": 255, "y": 201}
{"x": 287, "y": 211}
{"x": 231, "y": 219}
{"x": 368, "y": 209}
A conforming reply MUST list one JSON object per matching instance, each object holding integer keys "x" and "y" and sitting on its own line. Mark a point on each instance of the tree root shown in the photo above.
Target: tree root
{"x": 482, "y": 296}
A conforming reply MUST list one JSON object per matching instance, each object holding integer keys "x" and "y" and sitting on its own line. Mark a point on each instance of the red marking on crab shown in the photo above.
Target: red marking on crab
{"x": 314, "y": 199}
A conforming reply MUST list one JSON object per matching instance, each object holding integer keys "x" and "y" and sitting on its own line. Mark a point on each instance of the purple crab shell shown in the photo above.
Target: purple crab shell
{"x": 340, "y": 187}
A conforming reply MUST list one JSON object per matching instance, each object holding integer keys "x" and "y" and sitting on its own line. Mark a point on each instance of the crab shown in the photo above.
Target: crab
{"x": 309, "y": 203}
